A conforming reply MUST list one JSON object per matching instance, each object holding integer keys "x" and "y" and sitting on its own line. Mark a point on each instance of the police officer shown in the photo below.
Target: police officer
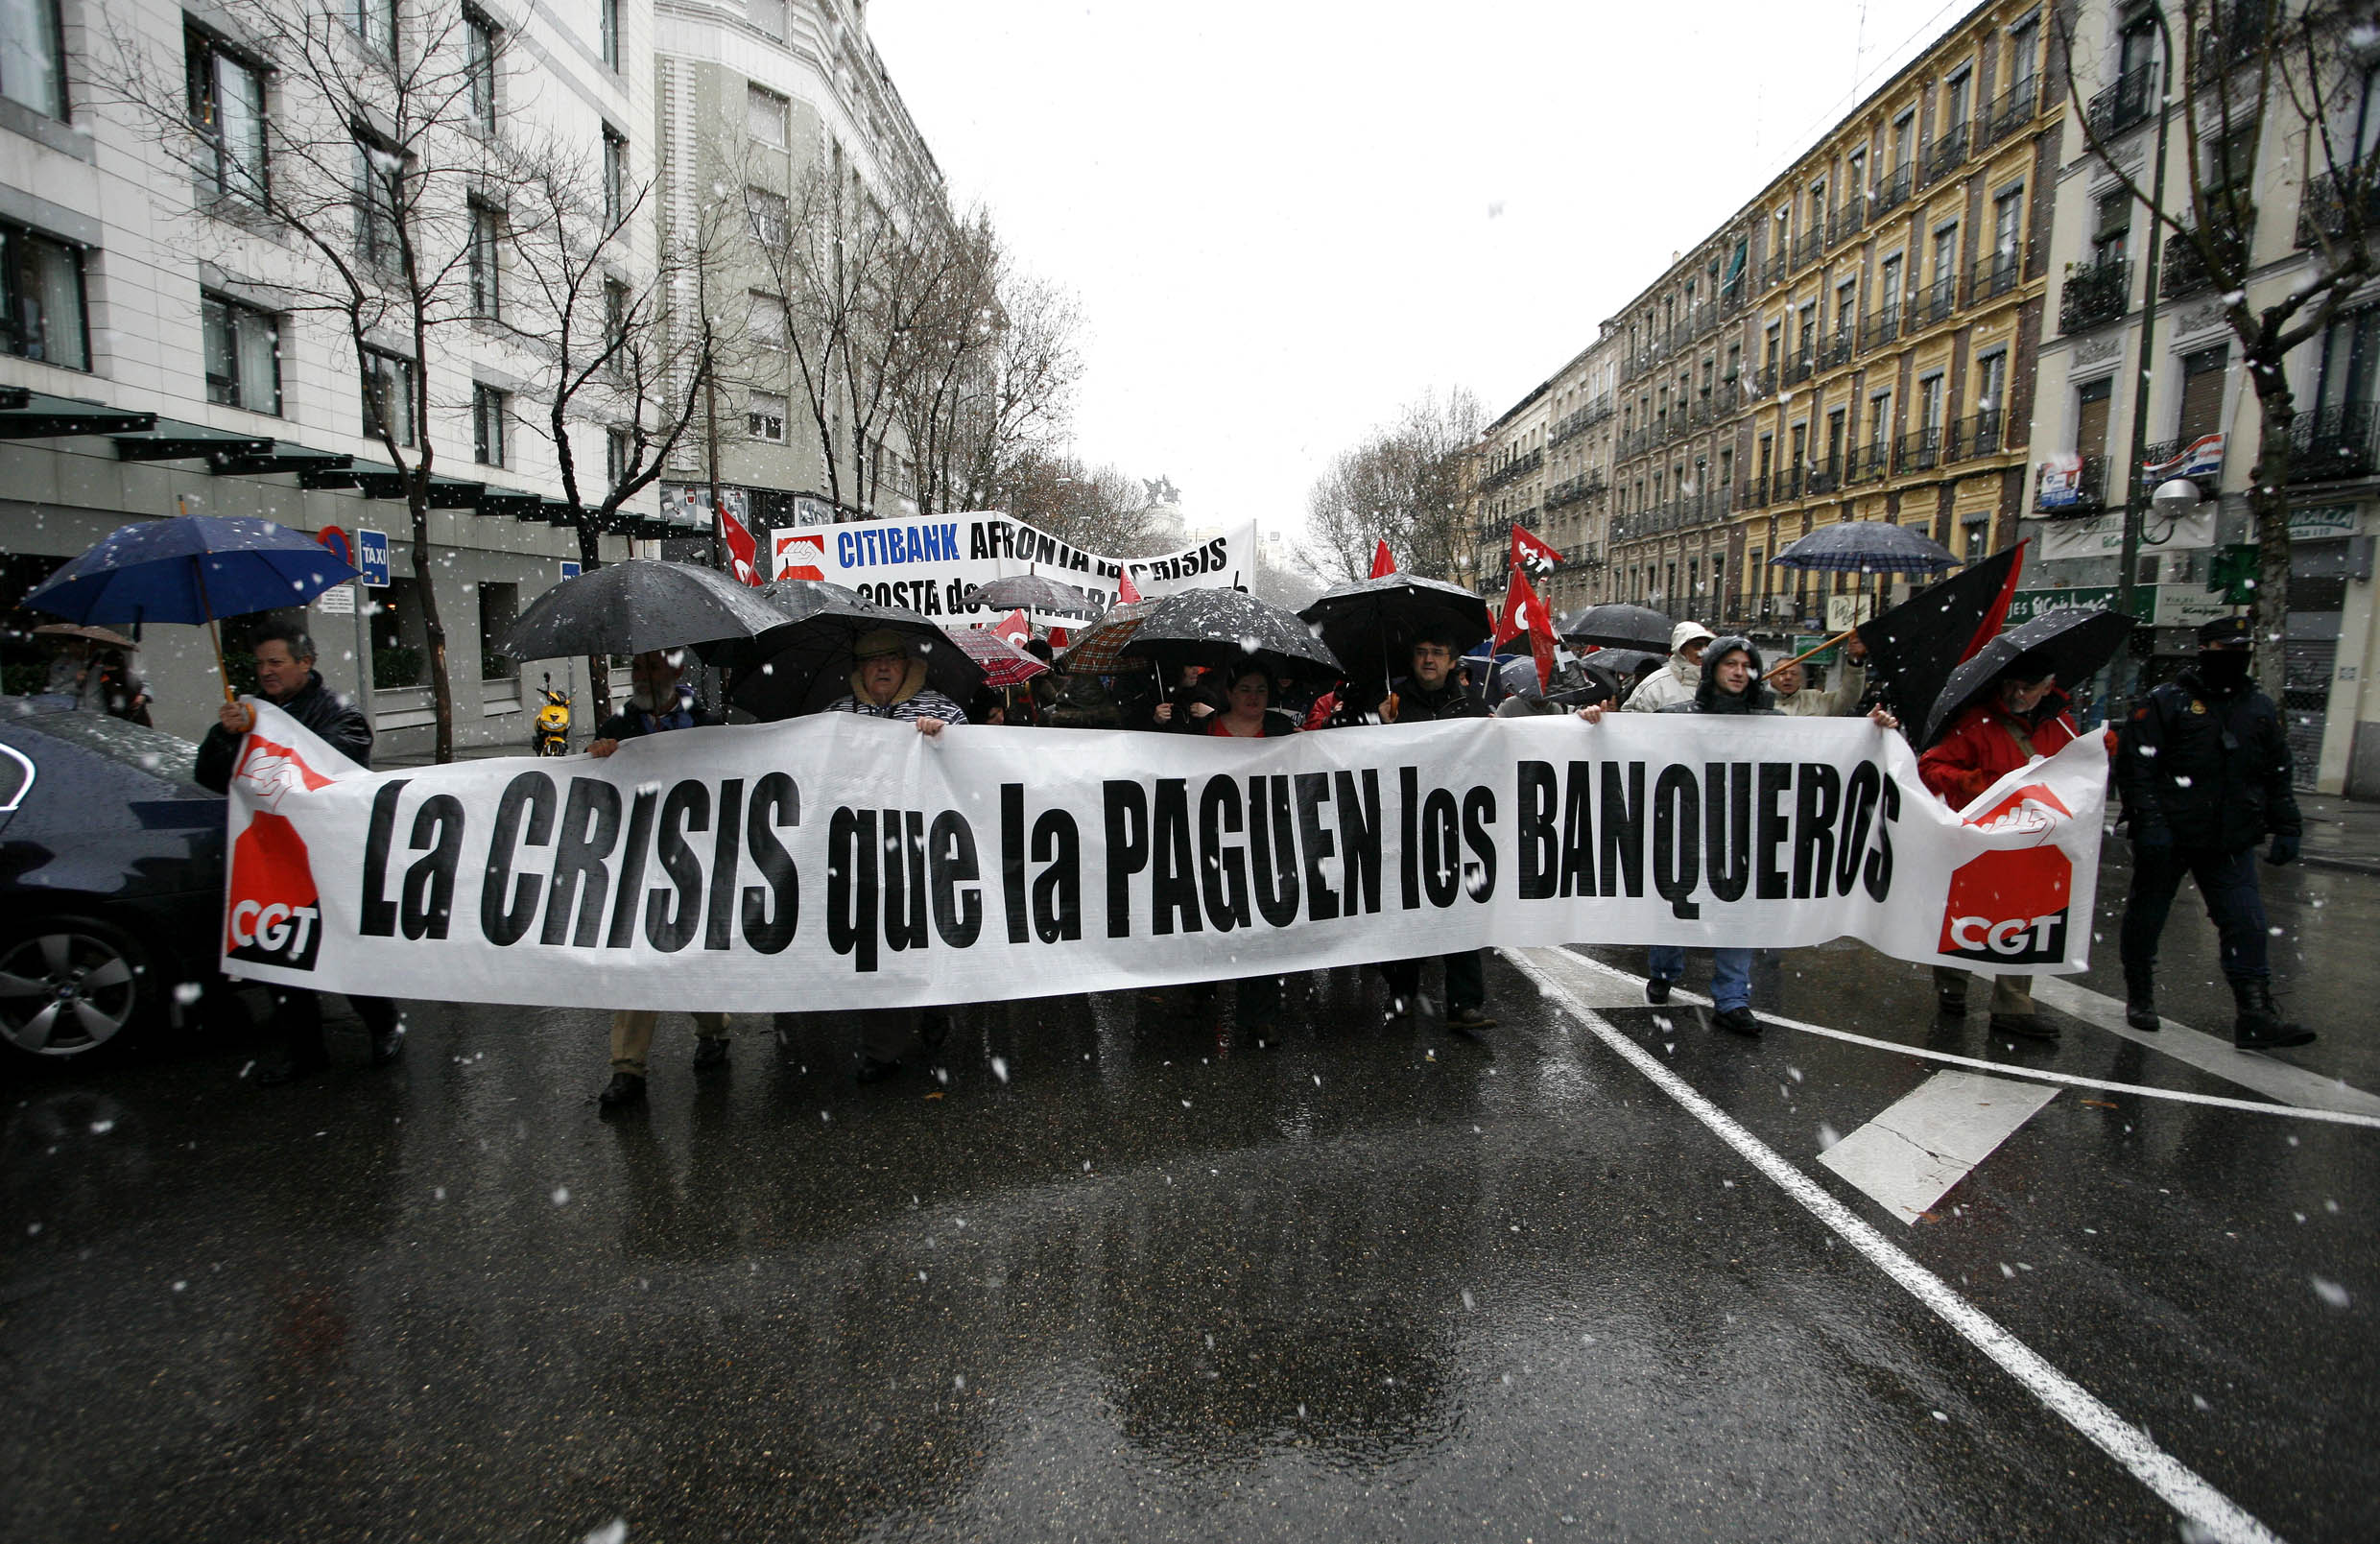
{"x": 2204, "y": 771}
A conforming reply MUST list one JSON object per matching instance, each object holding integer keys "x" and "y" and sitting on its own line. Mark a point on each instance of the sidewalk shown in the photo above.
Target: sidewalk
{"x": 2340, "y": 833}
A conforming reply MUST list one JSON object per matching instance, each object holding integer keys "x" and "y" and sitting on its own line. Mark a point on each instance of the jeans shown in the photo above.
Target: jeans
{"x": 1466, "y": 978}
{"x": 2226, "y": 884}
{"x": 1731, "y": 973}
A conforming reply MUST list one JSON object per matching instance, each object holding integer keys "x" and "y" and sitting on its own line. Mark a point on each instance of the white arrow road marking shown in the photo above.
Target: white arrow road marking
{"x": 1908, "y": 1158}
{"x": 2216, "y": 1515}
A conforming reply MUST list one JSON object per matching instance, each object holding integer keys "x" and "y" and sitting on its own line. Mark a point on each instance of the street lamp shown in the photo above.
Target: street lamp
{"x": 2125, "y": 671}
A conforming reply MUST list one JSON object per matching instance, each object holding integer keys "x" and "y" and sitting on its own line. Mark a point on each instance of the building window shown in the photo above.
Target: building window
{"x": 2202, "y": 375}
{"x": 2112, "y": 229}
{"x": 485, "y": 267}
{"x": 243, "y": 355}
{"x": 615, "y": 457}
{"x": 768, "y": 15}
{"x": 226, "y": 102}
{"x": 768, "y": 216}
{"x": 765, "y": 417}
{"x": 33, "y": 57}
{"x": 2090, "y": 417}
{"x": 1958, "y": 93}
{"x": 611, "y": 33}
{"x": 615, "y": 326}
{"x": 376, "y": 22}
{"x": 489, "y": 409}
{"x": 765, "y": 116}
{"x": 764, "y": 322}
{"x": 41, "y": 300}
{"x": 479, "y": 64}
{"x": 387, "y": 396}
{"x": 615, "y": 176}
{"x": 379, "y": 196}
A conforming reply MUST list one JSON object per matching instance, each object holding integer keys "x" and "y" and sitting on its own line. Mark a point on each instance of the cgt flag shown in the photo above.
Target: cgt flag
{"x": 835, "y": 862}
{"x": 743, "y": 557}
{"x": 1524, "y": 612}
{"x": 1533, "y": 554}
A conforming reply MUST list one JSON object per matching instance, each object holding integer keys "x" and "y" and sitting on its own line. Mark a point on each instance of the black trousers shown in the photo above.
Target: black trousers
{"x": 298, "y": 1019}
{"x": 2226, "y": 884}
{"x": 1467, "y": 978}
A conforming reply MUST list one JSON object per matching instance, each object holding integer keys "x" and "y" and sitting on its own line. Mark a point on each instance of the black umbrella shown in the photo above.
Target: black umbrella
{"x": 1618, "y": 626}
{"x": 1225, "y": 626}
{"x": 1912, "y": 648}
{"x": 1034, "y": 593}
{"x": 1623, "y": 664}
{"x": 1867, "y": 547}
{"x": 632, "y": 606}
{"x": 1377, "y": 620}
{"x": 2070, "y": 642}
{"x": 804, "y": 661}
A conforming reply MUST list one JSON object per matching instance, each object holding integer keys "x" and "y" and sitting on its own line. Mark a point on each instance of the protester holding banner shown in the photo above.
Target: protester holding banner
{"x": 1250, "y": 713}
{"x": 1191, "y": 706}
{"x": 888, "y": 682}
{"x": 1683, "y": 677}
{"x": 659, "y": 699}
{"x": 286, "y": 677}
{"x": 2023, "y": 717}
{"x": 1433, "y": 692}
{"x": 1729, "y": 683}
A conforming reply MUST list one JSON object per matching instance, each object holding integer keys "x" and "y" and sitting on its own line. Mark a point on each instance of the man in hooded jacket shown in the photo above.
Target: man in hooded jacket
{"x": 1680, "y": 679}
{"x": 2205, "y": 770}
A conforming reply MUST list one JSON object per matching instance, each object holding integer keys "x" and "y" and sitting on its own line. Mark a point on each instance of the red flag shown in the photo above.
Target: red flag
{"x": 1989, "y": 628}
{"x": 742, "y": 557}
{"x": 1015, "y": 626}
{"x": 1058, "y": 638}
{"x": 1528, "y": 552}
{"x": 1126, "y": 591}
{"x": 1382, "y": 564}
{"x": 1524, "y": 612}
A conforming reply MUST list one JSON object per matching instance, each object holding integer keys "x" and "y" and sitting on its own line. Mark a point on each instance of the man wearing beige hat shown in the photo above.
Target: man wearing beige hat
{"x": 1678, "y": 681}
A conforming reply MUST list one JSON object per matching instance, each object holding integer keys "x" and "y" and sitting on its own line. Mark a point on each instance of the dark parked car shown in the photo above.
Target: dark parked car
{"x": 112, "y": 878}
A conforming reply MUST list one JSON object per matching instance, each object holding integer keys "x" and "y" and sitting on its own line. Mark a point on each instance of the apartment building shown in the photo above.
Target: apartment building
{"x": 2202, "y": 421}
{"x": 163, "y": 351}
{"x": 1579, "y": 441}
{"x": 786, "y": 104}
{"x": 1509, "y": 484}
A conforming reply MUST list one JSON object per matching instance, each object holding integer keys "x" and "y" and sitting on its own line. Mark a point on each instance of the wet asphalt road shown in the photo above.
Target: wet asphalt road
{"x": 1127, "y": 1274}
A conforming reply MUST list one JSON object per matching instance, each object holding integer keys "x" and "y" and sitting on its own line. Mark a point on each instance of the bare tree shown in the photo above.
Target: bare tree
{"x": 378, "y": 156}
{"x": 1405, "y": 483}
{"x": 2251, "y": 72}
{"x": 1092, "y": 508}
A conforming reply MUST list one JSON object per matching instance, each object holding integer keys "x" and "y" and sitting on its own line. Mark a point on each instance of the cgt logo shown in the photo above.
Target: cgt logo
{"x": 274, "y": 915}
{"x": 798, "y": 555}
{"x": 2009, "y": 908}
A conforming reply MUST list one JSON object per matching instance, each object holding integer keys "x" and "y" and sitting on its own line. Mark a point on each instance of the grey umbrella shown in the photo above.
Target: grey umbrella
{"x": 1618, "y": 626}
{"x": 632, "y": 606}
{"x": 1224, "y": 627}
{"x": 1033, "y": 593}
{"x": 804, "y": 661}
{"x": 1867, "y": 547}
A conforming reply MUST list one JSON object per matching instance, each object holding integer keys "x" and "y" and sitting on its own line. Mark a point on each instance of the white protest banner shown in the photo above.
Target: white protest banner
{"x": 838, "y": 862}
{"x": 928, "y": 564}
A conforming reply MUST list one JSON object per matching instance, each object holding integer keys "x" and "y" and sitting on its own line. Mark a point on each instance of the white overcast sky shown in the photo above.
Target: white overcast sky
{"x": 1284, "y": 220}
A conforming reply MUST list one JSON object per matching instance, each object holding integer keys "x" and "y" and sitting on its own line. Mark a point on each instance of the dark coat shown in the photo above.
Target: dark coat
{"x": 1418, "y": 704}
{"x": 2211, "y": 769}
{"x": 632, "y": 722}
{"x": 1755, "y": 698}
{"x": 329, "y": 717}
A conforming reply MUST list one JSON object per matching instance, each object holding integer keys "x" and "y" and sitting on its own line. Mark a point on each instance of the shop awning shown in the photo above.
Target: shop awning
{"x": 172, "y": 440}
{"x": 280, "y": 456}
{"x": 379, "y": 481}
{"x": 512, "y": 506}
{"x": 28, "y": 415}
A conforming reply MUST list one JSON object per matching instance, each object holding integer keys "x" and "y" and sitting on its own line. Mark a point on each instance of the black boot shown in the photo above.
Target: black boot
{"x": 2260, "y": 1026}
{"x": 2140, "y": 1001}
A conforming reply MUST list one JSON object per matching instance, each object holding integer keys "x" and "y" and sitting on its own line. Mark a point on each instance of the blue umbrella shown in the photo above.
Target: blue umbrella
{"x": 1867, "y": 547}
{"x": 192, "y": 569}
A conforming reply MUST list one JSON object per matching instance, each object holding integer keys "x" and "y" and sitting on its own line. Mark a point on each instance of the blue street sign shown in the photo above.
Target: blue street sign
{"x": 570, "y": 569}
{"x": 371, "y": 555}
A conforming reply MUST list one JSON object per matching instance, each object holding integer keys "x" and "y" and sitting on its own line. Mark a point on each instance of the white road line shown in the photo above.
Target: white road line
{"x": 1910, "y": 1155}
{"x": 2209, "y": 1053}
{"x": 2182, "y": 1488}
{"x": 1599, "y": 997}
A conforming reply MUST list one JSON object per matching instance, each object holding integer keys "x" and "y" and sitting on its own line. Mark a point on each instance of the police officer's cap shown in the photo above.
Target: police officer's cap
{"x": 2223, "y": 630}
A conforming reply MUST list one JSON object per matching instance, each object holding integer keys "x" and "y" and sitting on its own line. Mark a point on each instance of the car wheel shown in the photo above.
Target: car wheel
{"x": 70, "y": 987}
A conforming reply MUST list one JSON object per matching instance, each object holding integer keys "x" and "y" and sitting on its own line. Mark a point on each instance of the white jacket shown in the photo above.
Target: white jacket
{"x": 1674, "y": 682}
{"x": 1835, "y": 701}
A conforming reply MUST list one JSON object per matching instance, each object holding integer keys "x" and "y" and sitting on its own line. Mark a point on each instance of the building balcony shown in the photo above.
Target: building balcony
{"x": 2095, "y": 295}
{"x": 2184, "y": 271}
{"x": 1826, "y": 476}
{"x": 2340, "y": 209}
{"x": 2155, "y": 460}
{"x": 1946, "y": 154}
{"x": 1995, "y": 274}
{"x": 1979, "y": 436}
{"x": 1941, "y": 299}
{"x": 1574, "y": 489}
{"x": 1881, "y": 328}
{"x": 1892, "y": 193}
{"x": 2127, "y": 102}
{"x": 1869, "y": 464}
{"x": 2235, "y": 36}
{"x": 1764, "y": 380}
{"x": 1726, "y": 398}
{"x": 1803, "y": 364}
{"x": 2016, "y": 108}
{"x": 1921, "y": 450}
{"x": 1753, "y": 494}
{"x": 1636, "y": 442}
{"x": 1810, "y": 244}
{"x": 2332, "y": 445}
{"x": 1512, "y": 471}
{"x": 1848, "y": 221}
{"x": 1773, "y": 272}
{"x": 1836, "y": 347}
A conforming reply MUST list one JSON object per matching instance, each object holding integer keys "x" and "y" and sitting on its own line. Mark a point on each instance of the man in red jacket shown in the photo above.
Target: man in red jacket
{"x": 2024, "y": 716}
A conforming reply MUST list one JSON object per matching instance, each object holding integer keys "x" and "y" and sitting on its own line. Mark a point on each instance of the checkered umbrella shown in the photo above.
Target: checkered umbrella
{"x": 1005, "y": 665}
{"x": 1104, "y": 642}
